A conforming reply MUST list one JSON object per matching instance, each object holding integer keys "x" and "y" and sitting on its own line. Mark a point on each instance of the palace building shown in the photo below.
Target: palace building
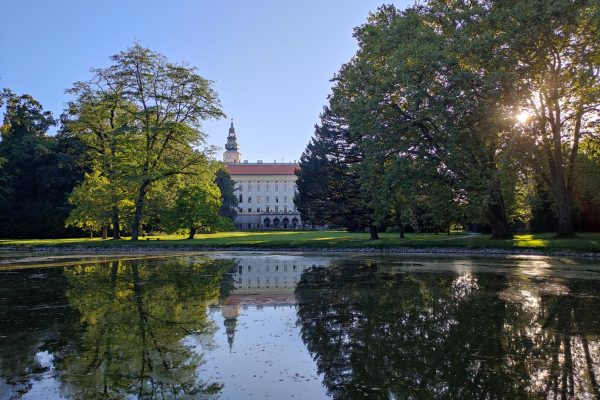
{"x": 265, "y": 190}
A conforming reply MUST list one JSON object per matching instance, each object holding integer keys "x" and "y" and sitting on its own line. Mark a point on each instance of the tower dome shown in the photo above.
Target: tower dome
{"x": 231, "y": 154}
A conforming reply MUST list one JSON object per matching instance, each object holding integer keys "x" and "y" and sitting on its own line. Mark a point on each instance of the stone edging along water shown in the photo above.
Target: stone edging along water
{"x": 367, "y": 250}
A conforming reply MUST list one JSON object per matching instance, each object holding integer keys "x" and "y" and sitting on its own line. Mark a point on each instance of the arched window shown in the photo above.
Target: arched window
{"x": 276, "y": 223}
{"x": 267, "y": 223}
{"x": 285, "y": 222}
{"x": 295, "y": 223}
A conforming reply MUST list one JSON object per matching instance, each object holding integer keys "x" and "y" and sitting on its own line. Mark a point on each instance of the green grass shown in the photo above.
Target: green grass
{"x": 329, "y": 239}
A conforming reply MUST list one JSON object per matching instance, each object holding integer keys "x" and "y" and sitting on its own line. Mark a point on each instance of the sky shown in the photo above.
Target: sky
{"x": 271, "y": 60}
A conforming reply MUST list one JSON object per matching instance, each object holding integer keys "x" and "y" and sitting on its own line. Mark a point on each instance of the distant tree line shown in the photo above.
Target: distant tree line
{"x": 481, "y": 113}
{"x": 129, "y": 156}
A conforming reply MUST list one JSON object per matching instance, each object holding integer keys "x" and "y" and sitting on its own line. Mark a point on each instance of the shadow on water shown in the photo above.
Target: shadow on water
{"x": 110, "y": 330}
{"x": 386, "y": 332}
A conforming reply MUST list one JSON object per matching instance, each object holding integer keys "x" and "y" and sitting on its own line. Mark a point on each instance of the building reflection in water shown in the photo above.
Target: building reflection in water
{"x": 264, "y": 281}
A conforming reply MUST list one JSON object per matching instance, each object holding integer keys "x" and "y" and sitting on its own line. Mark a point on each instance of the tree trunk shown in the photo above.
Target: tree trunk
{"x": 116, "y": 233}
{"x": 496, "y": 214}
{"x": 91, "y": 233}
{"x": 564, "y": 213}
{"x": 105, "y": 232}
{"x": 399, "y": 221}
{"x": 139, "y": 205}
{"x": 373, "y": 230}
{"x": 192, "y": 233}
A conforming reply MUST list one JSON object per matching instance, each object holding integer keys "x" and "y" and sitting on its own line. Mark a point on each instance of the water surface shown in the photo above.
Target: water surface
{"x": 243, "y": 325}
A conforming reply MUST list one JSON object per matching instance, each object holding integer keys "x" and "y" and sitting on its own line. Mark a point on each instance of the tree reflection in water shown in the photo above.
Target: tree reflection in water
{"x": 381, "y": 332}
{"x": 128, "y": 339}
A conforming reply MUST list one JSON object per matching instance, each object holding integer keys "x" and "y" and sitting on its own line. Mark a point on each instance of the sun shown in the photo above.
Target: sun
{"x": 523, "y": 117}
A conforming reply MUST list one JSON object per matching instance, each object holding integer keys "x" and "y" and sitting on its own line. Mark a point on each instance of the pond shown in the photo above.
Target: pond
{"x": 301, "y": 326}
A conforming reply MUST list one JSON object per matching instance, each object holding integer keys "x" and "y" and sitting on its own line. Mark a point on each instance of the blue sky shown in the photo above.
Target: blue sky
{"x": 271, "y": 61}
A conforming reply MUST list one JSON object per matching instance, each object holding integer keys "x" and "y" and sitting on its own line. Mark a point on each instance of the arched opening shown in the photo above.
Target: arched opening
{"x": 294, "y": 223}
{"x": 285, "y": 223}
{"x": 276, "y": 222}
{"x": 267, "y": 223}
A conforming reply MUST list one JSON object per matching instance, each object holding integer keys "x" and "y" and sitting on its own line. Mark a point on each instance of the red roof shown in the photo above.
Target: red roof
{"x": 261, "y": 169}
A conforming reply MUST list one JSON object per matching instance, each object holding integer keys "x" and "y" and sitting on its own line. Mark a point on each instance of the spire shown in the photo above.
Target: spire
{"x": 232, "y": 144}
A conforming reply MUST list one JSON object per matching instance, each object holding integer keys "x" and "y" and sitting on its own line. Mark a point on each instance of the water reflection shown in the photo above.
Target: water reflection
{"x": 270, "y": 326}
{"x": 378, "y": 331}
{"x": 263, "y": 281}
{"x": 123, "y": 333}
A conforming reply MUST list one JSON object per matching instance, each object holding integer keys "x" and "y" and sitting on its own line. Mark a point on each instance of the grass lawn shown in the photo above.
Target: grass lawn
{"x": 329, "y": 239}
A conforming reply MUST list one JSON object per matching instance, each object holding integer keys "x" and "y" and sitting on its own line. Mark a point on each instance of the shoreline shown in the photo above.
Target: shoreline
{"x": 330, "y": 250}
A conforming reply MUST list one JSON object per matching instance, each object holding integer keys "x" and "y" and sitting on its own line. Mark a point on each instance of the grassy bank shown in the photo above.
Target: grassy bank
{"x": 589, "y": 242}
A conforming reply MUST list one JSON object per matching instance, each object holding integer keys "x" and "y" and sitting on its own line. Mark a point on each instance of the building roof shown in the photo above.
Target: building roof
{"x": 261, "y": 169}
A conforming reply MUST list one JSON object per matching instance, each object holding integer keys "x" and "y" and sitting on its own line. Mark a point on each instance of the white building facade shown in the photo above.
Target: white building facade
{"x": 265, "y": 190}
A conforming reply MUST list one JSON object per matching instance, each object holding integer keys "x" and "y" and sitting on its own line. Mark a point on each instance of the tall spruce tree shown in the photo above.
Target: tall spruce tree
{"x": 229, "y": 200}
{"x": 328, "y": 191}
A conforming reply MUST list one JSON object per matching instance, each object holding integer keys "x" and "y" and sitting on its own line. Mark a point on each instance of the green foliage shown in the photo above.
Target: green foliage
{"x": 328, "y": 191}
{"x": 587, "y": 184}
{"x": 229, "y": 200}
{"x": 142, "y": 117}
{"x": 555, "y": 73}
{"x": 93, "y": 203}
{"x": 197, "y": 208}
{"x": 412, "y": 95}
{"x": 38, "y": 170}
{"x": 433, "y": 93}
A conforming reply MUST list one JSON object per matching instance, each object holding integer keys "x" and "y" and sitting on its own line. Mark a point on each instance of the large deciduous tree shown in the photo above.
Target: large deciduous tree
{"x": 419, "y": 89}
{"x": 158, "y": 106}
{"x": 557, "y": 67}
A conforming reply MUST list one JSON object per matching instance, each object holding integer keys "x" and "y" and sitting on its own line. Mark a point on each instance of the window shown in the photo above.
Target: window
{"x": 267, "y": 209}
{"x": 241, "y": 199}
{"x": 276, "y": 187}
{"x": 249, "y": 268}
{"x": 285, "y": 199}
{"x": 249, "y": 199}
{"x": 249, "y": 209}
{"x": 267, "y": 199}
{"x": 241, "y": 188}
{"x": 276, "y": 208}
{"x": 285, "y": 208}
{"x": 257, "y": 209}
{"x": 276, "y": 199}
{"x": 257, "y": 199}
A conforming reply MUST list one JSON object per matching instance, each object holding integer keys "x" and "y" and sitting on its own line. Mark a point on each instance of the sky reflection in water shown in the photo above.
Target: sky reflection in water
{"x": 237, "y": 325}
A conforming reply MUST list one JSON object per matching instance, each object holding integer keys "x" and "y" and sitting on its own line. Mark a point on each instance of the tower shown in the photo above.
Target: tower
{"x": 231, "y": 154}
